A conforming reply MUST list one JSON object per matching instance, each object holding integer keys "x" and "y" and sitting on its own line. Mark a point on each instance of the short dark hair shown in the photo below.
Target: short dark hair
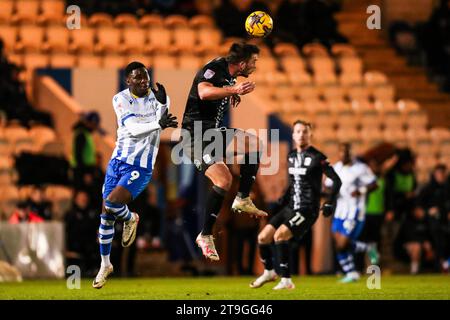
{"x": 132, "y": 66}
{"x": 303, "y": 122}
{"x": 241, "y": 52}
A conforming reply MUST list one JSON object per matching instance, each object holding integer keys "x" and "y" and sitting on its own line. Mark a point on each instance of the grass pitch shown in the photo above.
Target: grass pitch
{"x": 224, "y": 288}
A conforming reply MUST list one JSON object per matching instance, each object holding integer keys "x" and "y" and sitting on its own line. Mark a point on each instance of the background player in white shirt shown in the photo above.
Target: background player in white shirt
{"x": 142, "y": 113}
{"x": 357, "y": 180}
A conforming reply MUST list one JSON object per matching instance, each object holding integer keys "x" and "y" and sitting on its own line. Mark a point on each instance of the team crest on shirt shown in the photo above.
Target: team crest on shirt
{"x": 307, "y": 161}
{"x": 209, "y": 74}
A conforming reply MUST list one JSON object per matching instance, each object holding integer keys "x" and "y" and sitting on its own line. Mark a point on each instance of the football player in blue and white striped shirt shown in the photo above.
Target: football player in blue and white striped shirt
{"x": 142, "y": 113}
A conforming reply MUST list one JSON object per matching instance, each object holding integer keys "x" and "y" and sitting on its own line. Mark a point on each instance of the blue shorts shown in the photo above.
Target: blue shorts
{"x": 350, "y": 228}
{"x": 132, "y": 178}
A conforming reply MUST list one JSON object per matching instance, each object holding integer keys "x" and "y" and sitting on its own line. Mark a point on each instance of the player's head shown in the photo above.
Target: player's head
{"x": 440, "y": 173}
{"x": 302, "y": 133}
{"x": 345, "y": 152}
{"x": 137, "y": 78}
{"x": 244, "y": 57}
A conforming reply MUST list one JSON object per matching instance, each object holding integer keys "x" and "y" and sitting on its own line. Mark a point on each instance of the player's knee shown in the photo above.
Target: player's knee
{"x": 264, "y": 238}
{"x": 280, "y": 235}
{"x": 224, "y": 182}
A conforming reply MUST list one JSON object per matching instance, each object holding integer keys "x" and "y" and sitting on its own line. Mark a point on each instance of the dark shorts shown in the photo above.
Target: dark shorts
{"x": 299, "y": 221}
{"x": 207, "y": 148}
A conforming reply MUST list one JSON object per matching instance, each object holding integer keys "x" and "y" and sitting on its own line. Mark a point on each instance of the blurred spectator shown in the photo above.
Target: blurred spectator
{"x": 83, "y": 148}
{"x": 435, "y": 199}
{"x": 23, "y": 213}
{"x": 375, "y": 208}
{"x": 416, "y": 238}
{"x": 400, "y": 186}
{"x": 38, "y": 203}
{"x": 81, "y": 223}
{"x": 436, "y": 41}
{"x": 291, "y": 25}
{"x": 230, "y": 16}
{"x": 93, "y": 183}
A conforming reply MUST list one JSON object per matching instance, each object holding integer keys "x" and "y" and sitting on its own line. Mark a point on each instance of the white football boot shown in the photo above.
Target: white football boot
{"x": 246, "y": 205}
{"x": 102, "y": 274}
{"x": 267, "y": 276}
{"x": 129, "y": 230}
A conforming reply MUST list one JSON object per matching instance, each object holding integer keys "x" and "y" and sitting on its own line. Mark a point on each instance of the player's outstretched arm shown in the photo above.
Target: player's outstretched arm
{"x": 207, "y": 91}
{"x": 330, "y": 205}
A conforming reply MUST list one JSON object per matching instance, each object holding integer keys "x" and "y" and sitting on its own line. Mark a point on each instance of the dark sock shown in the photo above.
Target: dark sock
{"x": 213, "y": 205}
{"x": 283, "y": 256}
{"x": 265, "y": 251}
{"x": 249, "y": 169}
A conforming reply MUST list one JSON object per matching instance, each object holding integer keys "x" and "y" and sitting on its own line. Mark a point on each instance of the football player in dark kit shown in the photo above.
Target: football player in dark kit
{"x": 213, "y": 92}
{"x": 300, "y": 205}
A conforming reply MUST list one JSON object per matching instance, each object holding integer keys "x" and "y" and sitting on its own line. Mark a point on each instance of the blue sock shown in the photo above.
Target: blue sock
{"x": 105, "y": 236}
{"x": 120, "y": 211}
{"x": 346, "y": 261}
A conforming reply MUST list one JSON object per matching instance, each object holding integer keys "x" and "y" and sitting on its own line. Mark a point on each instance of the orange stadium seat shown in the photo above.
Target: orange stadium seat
{"x": 308, "y": 92}
{"x": 358, "y": 93}
{"x": 293, "y": 64}
{"x": 151, "y": 21}
{"x": 82, "y": 40}
{"x": 101, "y": 19}
{"x": 314, "y": 49}
{"x": 348, "y": 134}
{"x": 331, "y": 93}
{"x": 417, "y": 134}
{"x": 395, "y": 135}
{"x": 27, "y": 11}
{"x": 41, "y": 135}
{"x": 176, "y": 21}
{"x": 145, "y": 59}
{"x": 300, "y": 79}
{"x": 364, "y": 107}
{"x": 53, "y": 11}
{"x": 89, "y": 61}
{"x": 285, "y": 93}
{"x": 417, "y": 120}
{"x": 350, "y": 65}
{"x": 9, "y": 36}
{"x": 62, "y": 60}
{"x": 371, "y": 136}
{"x": 349, "y": 79}
{"x": 6, "y": 10}
{"x": 57, "y": 39}
{"x": 35, "y": 60}
{"x": 184, "y": 39}
{"x": 343, "y": 50}
{"x": 383, "y": 93}
{"x": 375, "y": 78}
{"x": 284, "y": 49}
{"x": 109, "y": 39}
{"x": 342, "y": 107}
{"x": 126, "y": 20}
{"x": 164, "y": 61}
{"x": 209, "y": 39}
{"x": 189, "y": 61}
{"x": 440, "y": 135}
{"x": 114, "y": 61}
{"x": 408, "y": 106}
{"x": 134, "y": 40}
{"x": 160, "y": 39}
{"x": 31, "y": 38}
{"x": 201, "y": 21}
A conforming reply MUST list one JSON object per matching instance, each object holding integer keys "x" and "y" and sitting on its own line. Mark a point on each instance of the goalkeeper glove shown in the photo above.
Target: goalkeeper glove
{"x": 160, "y": 95}
{"x": 328, "y": 208}
{"x": 168, "y": 120}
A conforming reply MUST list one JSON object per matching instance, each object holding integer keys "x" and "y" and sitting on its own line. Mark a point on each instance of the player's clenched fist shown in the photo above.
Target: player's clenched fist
{"x": 244, "y": 87}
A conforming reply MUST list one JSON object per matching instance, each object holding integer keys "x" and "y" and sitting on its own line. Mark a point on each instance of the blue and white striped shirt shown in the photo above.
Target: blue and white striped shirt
{"x": 139, "y": 149}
